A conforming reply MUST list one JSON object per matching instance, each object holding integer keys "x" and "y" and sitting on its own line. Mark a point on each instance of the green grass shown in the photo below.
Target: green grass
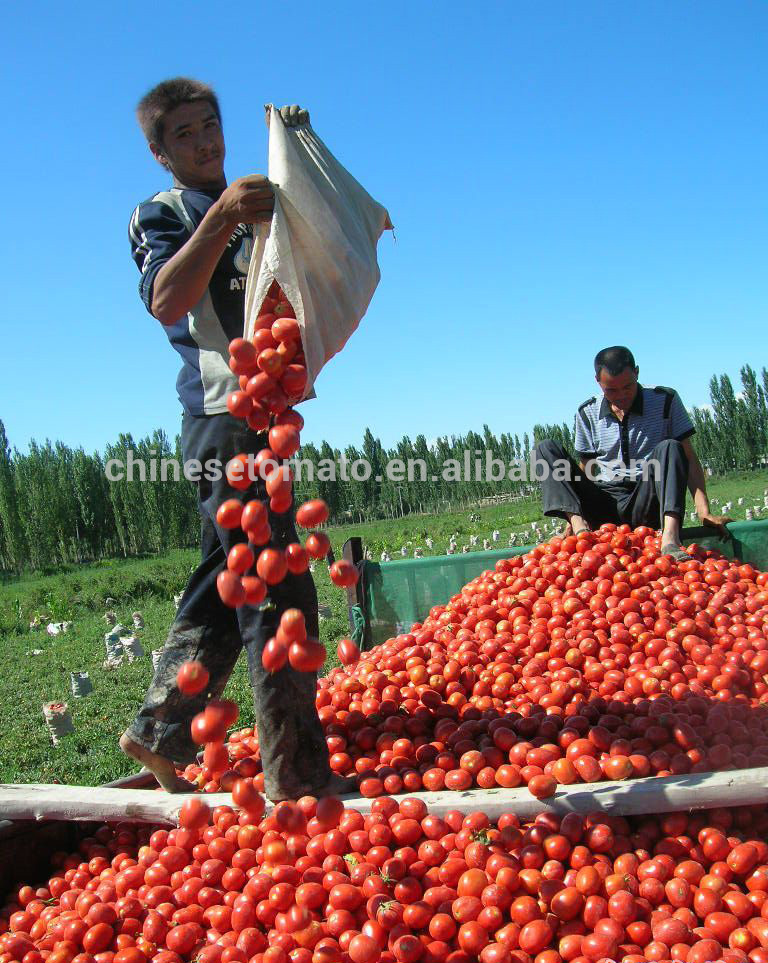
{"x": 90, "y": 756}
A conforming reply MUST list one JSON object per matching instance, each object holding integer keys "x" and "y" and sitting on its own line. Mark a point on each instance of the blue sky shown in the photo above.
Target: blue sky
{"x": 561, "y": 176}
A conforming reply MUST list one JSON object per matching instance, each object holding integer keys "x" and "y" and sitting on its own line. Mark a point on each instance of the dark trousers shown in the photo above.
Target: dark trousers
{"x": 292, "y": 743}
{"x": 641, "y": 502}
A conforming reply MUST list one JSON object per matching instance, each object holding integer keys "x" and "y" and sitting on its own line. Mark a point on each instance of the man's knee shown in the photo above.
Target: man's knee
{"x": 549, "y": 450}
{"x": 668, "y": 455}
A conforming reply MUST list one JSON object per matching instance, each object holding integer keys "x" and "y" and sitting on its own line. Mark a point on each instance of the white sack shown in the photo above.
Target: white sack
{"x": 132, "y": 647}
{"x": 320, "y": 246}
{"x": 58, "y": 720}
{"x": 81, "y": 684}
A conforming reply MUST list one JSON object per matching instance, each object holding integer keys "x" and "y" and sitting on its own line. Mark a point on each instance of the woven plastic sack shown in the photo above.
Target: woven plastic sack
{"x": 58, "y": 720}
{"x": 320, "y": 246}
{"x": 81, "y": 684}
{"x": 132, "y": 647}
{"x": 114, "y": 645}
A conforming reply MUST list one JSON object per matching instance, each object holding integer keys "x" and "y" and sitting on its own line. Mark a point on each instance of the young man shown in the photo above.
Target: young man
{"x": 192, "y": 245}
{"x": 635, "y": 458}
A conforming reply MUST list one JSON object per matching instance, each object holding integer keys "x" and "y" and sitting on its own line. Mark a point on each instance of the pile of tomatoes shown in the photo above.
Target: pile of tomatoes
{"x": 316, "y": 883}
{"x": 272, "y": 374}
{"x": 588, "y": 659}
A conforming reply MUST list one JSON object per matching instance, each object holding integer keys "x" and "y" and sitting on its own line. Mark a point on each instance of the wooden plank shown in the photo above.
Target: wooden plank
{"x": 743, "y": 787}
{"x": 83, "y": 803}
{"x": 746, "y": 787}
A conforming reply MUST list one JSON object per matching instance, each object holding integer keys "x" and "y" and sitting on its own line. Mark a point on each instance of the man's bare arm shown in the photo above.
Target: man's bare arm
{"x": 697, "y": 486}
{"x": 181, "y": 282}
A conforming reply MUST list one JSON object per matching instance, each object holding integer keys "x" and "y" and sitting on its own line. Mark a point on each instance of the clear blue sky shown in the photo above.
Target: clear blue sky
{"x": 562, "y": 176}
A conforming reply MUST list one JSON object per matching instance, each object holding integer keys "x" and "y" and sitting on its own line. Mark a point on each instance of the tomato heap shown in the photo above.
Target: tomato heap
{"x": 590, "y": 658}
{"x": 317, "y": 883}
{"x": 272, "y": 374}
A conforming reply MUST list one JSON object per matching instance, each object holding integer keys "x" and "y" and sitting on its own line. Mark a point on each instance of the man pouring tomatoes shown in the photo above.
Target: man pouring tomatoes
{"x": 635, "y": 458}
{"x": 192, "y": 244}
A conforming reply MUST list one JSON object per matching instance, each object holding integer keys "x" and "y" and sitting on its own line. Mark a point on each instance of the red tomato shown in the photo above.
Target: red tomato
{"x": 362, "y": 949}
{"x": 296, "y": 558}
{"x": 274, "y": 655}
{"x": 306, "y": 656}
{"x": 293, "y": 625}
{"x": 348, "y": 652}
{"x": 271, "y": 566}
{"x": 230, "y": 589}
{"x": 284, "y": 440}
{"x": 240, "y": 558}
{"x": 194, "y": 814}
{"x": 192, "y": 678}
{"x": 255, "y": 589}
{"x": 239, "y": 404}
{"x": 229, "y": 514}
{"x": 286, "y": 329}
{"x": 247, "y": 797}
{"x": 293, "y": 381}
{"x": 312, "y": 513}
{"x": 343, "y": 573}
{"x": 238, "y": 472}
{"x": 542, "y": 786}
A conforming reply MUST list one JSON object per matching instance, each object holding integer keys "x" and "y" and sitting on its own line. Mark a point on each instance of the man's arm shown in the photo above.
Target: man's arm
{"x": 182, "y": 280}
{"x": 698, "y": 489}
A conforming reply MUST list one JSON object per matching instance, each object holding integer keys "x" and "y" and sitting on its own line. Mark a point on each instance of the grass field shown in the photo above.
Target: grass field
{"x": 90, "y": 756}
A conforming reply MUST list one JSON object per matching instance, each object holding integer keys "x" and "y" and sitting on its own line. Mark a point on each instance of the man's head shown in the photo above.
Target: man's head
{"x": 616, "y": 373}
{"x": 181, "y": 120}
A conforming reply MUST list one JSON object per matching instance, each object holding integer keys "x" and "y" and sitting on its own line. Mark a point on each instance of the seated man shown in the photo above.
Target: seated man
{"x": 635, "y": 459}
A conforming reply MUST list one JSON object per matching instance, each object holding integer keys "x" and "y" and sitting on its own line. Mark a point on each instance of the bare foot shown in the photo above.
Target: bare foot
{"x": 577, "y": 524}
{"x": 161, "y": 768}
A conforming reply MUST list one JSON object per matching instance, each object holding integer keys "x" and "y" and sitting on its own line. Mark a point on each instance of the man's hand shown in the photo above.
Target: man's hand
{"x": 293, "y": 115}
{"x": 248, "y": 200}
{"x": 717, "y": 522}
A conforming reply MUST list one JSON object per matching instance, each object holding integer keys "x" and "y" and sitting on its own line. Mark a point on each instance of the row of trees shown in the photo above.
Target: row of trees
{"x": 733, "y": 433}
{"x": 57, "y": 504}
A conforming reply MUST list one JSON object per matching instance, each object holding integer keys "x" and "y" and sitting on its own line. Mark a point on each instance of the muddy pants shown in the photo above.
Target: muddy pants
{"x": 293, "y": 749}
{"x": 642, "y": 502}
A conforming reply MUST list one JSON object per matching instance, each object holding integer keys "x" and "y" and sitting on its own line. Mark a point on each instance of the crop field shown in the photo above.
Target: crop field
{"x": 36, "y": 666}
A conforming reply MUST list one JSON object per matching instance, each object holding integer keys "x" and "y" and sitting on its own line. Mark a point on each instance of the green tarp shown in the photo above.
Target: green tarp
{"x": 402, "y": 592}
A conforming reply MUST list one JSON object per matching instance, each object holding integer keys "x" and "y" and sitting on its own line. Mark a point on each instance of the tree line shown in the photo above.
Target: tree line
{"x": 57, "y": 505}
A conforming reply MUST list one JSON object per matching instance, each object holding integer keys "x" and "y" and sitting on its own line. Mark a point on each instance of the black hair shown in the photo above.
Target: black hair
{"x": 165, "y": 97}
{"x": 614, "y": 360}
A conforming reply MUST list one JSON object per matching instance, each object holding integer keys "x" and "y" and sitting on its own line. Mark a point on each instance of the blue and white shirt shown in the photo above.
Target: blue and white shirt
{"x": 620, "y": 447}
{"x": 159, "y": 227}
